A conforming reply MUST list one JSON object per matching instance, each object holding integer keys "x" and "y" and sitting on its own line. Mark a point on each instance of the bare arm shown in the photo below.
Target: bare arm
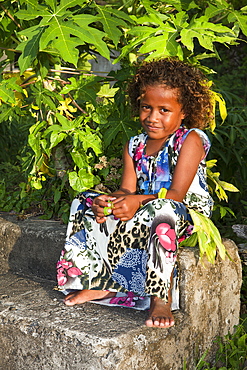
{"x": 191, "y": 154}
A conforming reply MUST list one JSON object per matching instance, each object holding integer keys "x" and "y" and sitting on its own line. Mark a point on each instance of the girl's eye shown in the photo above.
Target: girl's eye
{"x": 164, "y": 110}
{"x": 145, "y": 107}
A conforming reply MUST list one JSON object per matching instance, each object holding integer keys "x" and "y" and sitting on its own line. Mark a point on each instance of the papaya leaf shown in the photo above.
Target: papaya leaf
{"x": 161, "y": 45}
{"x": 85, "y": 88}
{"x": 30, "y": 47}
{"x": 33, "y": 11}
{"x": 64, "y": 5}
{"x": 150, "y": 19}
{"x": 111, "y": 24}
{"x": 106, "y": 91}
{"x": 7, "y": 113}
{"x": 90, "y": 35}
{"x": 239, "y": 18}
{"x": 6, "y": 94}
{"x": 59, "y": 34}
{"x": 115, "y": 127}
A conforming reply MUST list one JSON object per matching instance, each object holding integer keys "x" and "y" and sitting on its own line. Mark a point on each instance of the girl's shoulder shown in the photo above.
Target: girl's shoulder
{"x": 136, "y": 141}
{"x": 178, "y": 138}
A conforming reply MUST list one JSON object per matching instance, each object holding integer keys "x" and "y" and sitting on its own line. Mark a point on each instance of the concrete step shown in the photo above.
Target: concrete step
{"x": 31, "y": 246}
{"x": 37, "y": 331}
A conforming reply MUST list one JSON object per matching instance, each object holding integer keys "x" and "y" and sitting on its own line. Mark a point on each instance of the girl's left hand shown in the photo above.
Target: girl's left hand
{"x": 125, "y": 207}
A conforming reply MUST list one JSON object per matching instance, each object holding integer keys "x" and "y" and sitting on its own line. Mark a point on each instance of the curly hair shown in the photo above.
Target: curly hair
{"x": 194, "y": 94}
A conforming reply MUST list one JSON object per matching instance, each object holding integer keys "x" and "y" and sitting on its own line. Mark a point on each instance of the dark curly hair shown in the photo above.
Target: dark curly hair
{"x": 194, "y": 94}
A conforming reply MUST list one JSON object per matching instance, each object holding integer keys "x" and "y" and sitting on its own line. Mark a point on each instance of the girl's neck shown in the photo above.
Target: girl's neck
{"x": 153, "y": 146}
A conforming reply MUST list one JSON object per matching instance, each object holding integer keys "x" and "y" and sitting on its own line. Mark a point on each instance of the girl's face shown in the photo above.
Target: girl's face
{"x": 160, "y": 112}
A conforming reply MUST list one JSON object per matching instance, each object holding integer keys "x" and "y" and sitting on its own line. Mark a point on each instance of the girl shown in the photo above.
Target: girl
{"x": 127, "y": 241}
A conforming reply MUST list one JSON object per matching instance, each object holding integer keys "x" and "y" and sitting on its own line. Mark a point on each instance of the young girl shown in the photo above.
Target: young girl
{"x": 127, "y": 241}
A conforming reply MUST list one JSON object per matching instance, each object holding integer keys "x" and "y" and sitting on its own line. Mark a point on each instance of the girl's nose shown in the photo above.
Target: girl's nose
{"x": 153, "y": 116}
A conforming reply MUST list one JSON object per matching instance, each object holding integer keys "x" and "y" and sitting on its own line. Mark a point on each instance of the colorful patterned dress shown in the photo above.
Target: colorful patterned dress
{"x": 137, "y": 257}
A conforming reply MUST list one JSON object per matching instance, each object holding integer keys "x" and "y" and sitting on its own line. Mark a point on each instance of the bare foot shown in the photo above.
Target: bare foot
{"x": 160, "y": 314}
{"x": 82, "y": 296}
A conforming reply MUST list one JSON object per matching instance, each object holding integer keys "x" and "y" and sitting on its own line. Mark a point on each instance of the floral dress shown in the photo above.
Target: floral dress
{"x": 137, "y": 257}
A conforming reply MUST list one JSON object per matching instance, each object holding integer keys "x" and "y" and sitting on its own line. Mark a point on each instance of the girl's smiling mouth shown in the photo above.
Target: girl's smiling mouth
{"x": 152, "y": 128}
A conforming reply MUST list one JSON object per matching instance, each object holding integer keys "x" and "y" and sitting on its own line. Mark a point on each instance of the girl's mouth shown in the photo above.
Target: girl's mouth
{"x": 152, "y": 128}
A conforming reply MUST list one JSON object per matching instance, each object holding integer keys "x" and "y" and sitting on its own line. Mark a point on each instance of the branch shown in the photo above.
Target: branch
{"x": 10, "y": 16}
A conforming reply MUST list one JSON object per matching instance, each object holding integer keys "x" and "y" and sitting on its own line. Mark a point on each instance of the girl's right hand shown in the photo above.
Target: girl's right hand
{"x": 99, "y": 207}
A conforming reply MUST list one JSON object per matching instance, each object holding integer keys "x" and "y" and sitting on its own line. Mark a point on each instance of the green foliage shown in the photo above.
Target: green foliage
{"x": 231, "y": 353}
{"x": 174, "y": 28}
{"x": 206, "y": 235}
{"x": 229, "y": 139}
{"x": 74, "y": 117}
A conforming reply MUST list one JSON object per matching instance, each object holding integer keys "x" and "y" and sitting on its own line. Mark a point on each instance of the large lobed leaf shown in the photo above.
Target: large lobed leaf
{"x": 63, "y": 30}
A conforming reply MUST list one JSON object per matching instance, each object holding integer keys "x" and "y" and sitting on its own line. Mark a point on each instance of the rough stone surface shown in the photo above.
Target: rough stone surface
{"x": 38, "y": 332}
{"x": 9, "y": 234}
{"x": 240, "y": 230}
{"x": 31, "y": 246}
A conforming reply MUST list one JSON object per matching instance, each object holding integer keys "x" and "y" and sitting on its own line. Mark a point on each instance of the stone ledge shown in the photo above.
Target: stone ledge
{"x": 31, "y": 246}
{"x": 37, "y": 331}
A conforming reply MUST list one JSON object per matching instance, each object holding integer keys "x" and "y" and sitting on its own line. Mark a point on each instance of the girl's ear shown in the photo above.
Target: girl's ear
{"x": 183, "y": 115}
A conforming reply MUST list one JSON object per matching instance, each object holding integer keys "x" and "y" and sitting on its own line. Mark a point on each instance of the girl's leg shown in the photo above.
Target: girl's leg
{"x": 85, "y": 295}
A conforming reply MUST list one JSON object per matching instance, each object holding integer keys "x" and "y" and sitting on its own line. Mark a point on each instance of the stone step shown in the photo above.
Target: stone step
{"x": 31, "y": 246}
{"x": 37, "y": 331}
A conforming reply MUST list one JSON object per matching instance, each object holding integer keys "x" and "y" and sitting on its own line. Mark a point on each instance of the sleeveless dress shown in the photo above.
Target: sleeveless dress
{"x": 137, "y": 257}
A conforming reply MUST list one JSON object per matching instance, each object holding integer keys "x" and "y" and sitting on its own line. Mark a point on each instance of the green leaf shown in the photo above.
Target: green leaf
{"x": 81, "y": 181}
{"x": 65, "y": 4}
{"x": 239, "y": 18}
{"x": 111, "y": 24}
{"x": 142, "y": 31}
{"x": 85, "y": 88}
{"x": 229, "y": 187}
{"x": 211, "y": 163}
{"x": 206, "y": 32}
{"x": 191, "y": 241}
{"x": 30, "y": 47}
{"x": 156, "y": 45}
{"x": 67, "y": 125}
{"x": 57, "y": 195}
{"x": 60, "y": 36}
{"x": 55, "y": 139}
{"x": 208, "y": 236}
{"x": 6, "y": 94}
{"x": 4, "y": 116}
{"x": 79, "y": 158}
{"x": 151, "y": 19}
{"x": 32, "y": 12}
{"x": 90, "y": 35}
{"x": 90, "y": 140}
{"x": 106, "y": 91}
{"x": 116, "y": 126}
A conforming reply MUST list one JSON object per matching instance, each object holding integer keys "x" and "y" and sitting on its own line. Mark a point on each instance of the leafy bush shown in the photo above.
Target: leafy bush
{"x": 231, "y": 353}
{"x": 72, "y": 113}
